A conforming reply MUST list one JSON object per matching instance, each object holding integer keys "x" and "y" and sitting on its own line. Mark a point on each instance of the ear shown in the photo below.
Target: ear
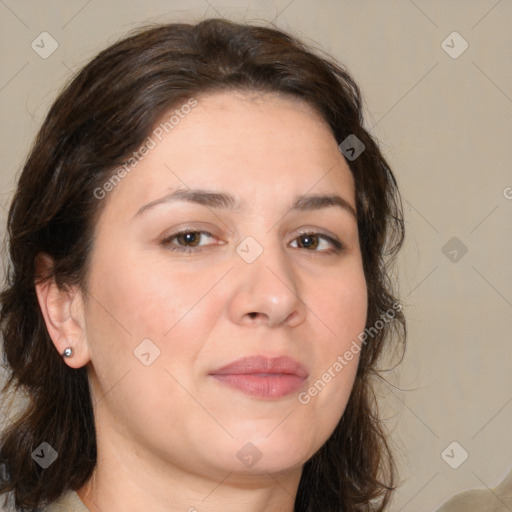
{"x": 63, "y": 312}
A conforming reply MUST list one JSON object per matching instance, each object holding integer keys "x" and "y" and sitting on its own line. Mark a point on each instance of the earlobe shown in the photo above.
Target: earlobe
{"x": 62, "y": 310}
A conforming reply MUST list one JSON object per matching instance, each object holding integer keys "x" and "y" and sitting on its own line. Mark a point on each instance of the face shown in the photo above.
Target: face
{"x": 217, "y": 318}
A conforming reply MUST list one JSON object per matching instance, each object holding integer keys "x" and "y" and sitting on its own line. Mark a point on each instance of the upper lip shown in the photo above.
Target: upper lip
{"x": 251, "y": 365}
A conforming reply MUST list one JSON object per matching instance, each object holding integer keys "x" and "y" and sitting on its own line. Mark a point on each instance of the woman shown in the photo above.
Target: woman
{"x": 198, "y": 293}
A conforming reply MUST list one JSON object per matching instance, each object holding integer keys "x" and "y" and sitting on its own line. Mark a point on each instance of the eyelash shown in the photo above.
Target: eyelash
{"x": 338, "y": 246}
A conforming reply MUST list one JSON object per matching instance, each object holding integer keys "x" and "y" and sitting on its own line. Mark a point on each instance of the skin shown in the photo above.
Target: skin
{"x": 168, "y": 434}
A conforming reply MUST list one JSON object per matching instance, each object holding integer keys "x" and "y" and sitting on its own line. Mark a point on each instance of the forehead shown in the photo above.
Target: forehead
{"x": 246, "y": 143}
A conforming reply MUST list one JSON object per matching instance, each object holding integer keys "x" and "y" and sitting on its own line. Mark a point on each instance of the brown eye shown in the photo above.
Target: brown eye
{"x": 308, "y": 241}
{"x": 189, "y": 238}
{"x": 316, "y": 242}
{"x": 186, "y": 241}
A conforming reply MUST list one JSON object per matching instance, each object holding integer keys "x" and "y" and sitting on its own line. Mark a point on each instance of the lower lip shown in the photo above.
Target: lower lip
{"x": 263, "y": 385}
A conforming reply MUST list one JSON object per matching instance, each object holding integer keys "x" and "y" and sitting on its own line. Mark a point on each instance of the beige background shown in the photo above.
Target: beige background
{"x": 444, "y": 124}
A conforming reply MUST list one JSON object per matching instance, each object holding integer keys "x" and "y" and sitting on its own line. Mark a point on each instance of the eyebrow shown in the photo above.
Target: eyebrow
{"x": 213, "y": 199}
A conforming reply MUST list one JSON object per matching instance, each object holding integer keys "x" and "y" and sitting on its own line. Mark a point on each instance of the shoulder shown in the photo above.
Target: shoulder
{"x": 68, "y": 502}
{"x": 497, "y": 500}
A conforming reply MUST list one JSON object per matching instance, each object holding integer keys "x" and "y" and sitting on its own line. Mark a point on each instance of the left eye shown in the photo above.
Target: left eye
{"x": 313, "y": 240}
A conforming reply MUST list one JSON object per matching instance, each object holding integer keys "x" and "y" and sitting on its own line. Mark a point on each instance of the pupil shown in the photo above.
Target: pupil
{"x": 307, "y": 241}
{"x": 189, "y": 237}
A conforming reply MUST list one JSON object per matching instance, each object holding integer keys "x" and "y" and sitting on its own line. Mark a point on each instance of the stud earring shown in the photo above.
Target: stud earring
{"x": 68, "y": 352}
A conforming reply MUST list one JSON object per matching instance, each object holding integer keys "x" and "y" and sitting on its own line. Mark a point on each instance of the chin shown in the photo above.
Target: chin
{"x": 263, "y": 455}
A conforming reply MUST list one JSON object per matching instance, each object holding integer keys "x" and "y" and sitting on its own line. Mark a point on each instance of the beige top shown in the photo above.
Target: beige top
{"x": 68, "y": 502}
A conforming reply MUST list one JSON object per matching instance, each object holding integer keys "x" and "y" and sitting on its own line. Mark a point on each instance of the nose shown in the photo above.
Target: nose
{"x": 267, "y": 291}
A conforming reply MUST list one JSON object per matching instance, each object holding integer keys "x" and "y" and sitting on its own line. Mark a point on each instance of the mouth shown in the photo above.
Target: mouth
{"x": 263, "y": 377}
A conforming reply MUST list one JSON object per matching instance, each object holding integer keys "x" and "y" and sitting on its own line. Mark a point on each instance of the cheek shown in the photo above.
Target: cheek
{"x": 132, "y": 303}
{"x": 146, "y": 298}
{"x": 342, "y": 305}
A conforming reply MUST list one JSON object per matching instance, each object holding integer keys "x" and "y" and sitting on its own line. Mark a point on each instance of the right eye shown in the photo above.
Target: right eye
{"x": 187, "y": 240}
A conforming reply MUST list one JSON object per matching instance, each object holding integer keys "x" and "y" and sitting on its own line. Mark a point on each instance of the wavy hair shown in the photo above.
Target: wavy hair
{"x": 102, "y": 115}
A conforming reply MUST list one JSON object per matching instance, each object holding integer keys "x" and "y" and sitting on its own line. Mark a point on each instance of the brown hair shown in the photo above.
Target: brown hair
{"x": 98, "y": 120}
